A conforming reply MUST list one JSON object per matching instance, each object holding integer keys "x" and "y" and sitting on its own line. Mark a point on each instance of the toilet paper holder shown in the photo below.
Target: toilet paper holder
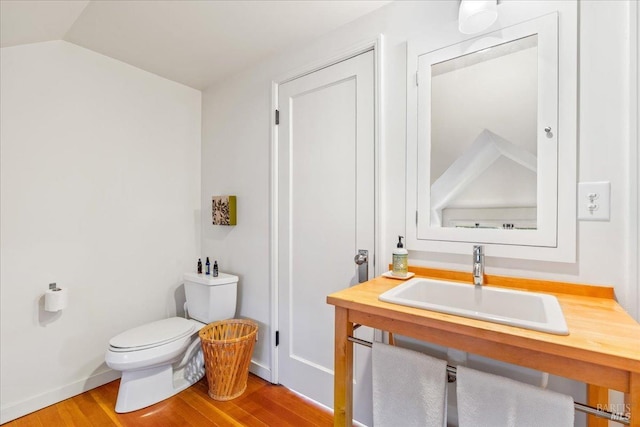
{"x": 55, "y": 299}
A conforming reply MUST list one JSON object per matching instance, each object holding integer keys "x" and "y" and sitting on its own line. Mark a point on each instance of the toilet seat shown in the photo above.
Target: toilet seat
{"x": 169, "y": 345}
{"x": 152, "y": 335}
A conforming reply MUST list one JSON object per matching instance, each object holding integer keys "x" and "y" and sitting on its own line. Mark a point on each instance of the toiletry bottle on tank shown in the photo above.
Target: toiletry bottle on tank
{"x": 400, "y": 259}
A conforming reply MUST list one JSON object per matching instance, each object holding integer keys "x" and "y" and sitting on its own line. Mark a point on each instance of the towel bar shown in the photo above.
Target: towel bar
{"x": 451, "y": 373}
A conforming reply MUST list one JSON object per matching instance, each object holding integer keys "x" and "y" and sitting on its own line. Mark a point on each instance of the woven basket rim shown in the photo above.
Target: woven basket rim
{"x": 247, "y": 322}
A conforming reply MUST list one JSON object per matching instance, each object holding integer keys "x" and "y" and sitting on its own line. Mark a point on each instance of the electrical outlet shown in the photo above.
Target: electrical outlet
{"x": 594, "y": 201}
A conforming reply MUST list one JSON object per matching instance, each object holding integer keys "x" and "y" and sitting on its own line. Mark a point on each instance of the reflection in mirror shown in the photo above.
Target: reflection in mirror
{"x": 484, "y": 129}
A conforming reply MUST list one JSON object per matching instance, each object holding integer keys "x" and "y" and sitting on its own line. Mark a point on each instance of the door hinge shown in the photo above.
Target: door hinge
{"x": 277, "y": 338}
{"x": 277, "y": 117}
{"x": 416, "y": 217}
{"x": 417, "y": 78}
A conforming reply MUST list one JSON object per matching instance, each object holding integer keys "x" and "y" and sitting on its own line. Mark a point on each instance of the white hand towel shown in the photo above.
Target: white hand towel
{"x": 409, "y": 388}
{"x": 487, "y": 400}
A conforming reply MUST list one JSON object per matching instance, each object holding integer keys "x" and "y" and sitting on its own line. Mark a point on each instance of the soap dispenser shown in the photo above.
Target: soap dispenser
{"x": 400, "y": 260}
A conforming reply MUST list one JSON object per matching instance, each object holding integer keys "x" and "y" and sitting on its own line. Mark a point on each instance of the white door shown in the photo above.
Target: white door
{"x": 325, "y": 215}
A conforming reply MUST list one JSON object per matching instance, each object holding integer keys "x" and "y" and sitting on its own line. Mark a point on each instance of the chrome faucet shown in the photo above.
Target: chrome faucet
{"x": 478, "y": 265}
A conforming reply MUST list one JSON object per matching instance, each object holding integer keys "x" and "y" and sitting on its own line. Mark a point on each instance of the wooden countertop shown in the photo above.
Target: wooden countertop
{"x": 601, "y": 333}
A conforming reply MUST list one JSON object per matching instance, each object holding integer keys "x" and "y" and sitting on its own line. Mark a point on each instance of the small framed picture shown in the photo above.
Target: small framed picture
{"x": 223, "y": 210}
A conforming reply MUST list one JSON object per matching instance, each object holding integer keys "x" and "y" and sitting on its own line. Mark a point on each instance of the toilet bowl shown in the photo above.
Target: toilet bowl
{"x": 157, "y": 360}
{"x": 162, "y": 358}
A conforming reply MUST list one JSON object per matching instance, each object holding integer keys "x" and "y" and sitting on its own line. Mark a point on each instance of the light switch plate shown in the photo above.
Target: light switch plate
{"x": 594, "y": 200}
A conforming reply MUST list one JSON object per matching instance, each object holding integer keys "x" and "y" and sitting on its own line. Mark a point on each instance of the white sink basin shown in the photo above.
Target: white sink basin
{"x": 529, "y": 310}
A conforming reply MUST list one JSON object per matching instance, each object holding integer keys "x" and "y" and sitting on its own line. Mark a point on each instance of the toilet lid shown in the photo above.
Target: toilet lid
{"x": 153, "y": 334}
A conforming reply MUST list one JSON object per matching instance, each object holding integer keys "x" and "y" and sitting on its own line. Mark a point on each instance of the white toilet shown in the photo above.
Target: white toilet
{"x": 162, "y": 358}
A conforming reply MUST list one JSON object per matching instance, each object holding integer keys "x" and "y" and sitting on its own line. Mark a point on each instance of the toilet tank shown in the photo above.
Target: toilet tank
{"x": 211, "y": 298}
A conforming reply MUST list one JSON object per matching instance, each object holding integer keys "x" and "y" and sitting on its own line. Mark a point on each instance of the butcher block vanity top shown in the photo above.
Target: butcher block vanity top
{"x": 602, "y": 348}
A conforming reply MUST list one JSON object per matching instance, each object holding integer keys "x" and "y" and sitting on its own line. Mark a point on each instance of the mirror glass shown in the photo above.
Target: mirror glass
{"x": 484, "y": 136}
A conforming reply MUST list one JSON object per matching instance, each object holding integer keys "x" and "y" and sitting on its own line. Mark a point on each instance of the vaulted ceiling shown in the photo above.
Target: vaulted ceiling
{"x": 192, "y": 42}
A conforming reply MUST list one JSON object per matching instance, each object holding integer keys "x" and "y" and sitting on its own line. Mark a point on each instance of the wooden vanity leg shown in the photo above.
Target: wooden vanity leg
{"x": 632, "y": 399}
{"x": 597, "y": 396}
{"x": 343, "y": 377}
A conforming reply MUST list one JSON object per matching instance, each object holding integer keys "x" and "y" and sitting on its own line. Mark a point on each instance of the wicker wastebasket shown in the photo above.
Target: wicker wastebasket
{"x": 227, "y": 346}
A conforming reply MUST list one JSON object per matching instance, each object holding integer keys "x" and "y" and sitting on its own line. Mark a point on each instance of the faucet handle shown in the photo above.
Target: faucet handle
{"x": 478, "y": 251}
{"x": 478, "y": 265}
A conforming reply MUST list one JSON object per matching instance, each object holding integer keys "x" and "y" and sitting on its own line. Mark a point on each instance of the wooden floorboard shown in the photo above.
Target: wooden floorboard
{"x": 262, "y": 405}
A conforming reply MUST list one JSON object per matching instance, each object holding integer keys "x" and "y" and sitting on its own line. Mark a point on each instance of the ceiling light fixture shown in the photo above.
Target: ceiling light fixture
{"x": 476, "y": 15}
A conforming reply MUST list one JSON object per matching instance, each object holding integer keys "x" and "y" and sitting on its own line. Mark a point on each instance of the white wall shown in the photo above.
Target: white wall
{"x": 236, "y": 143}
{"x": 100, "y": 193}
{"x": 604, "y": 151}
{"x": 235, "y": 161}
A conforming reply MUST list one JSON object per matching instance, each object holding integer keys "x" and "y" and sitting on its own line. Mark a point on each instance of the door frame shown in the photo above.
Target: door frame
{"x": 374, "y": 45}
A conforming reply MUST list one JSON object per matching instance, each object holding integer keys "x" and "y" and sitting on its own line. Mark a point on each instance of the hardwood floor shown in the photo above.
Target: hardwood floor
{"x": 262, "y": 404}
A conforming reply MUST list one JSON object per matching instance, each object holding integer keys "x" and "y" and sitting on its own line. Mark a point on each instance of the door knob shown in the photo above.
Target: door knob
{"x": 362, "y": 259}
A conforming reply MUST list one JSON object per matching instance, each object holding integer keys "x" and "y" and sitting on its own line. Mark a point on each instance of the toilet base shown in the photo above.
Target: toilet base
{"x": 145, "y": 387}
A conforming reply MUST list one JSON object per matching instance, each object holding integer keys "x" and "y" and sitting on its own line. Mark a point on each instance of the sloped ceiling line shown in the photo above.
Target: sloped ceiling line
{"x": 196, "y": 43}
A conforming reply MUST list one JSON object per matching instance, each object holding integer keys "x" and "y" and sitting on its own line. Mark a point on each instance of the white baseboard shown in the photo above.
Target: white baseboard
{"x": 12, "y": 411}
{"x": 260, "y": 370}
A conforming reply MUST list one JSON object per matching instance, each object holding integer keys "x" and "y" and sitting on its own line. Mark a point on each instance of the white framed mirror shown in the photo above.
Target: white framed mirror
{"x": 487, "y": 140}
